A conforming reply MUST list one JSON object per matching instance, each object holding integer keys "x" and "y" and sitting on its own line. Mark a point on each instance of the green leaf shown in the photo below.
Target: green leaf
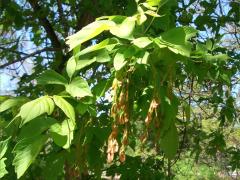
{"x": 3, "y": 170}
{"x": 102, "y": 56}
{"x": 157, "y": 2}
{"x": 35, "y": 108}
{"x": 51, "y": 77}
{"x": 176, "y": 40}
{"x": 109, "y": 43}
{"x": 144, "y": 59}
{"x": 3, "y": 147}
{"x": 124, "y": 29}
{"x": 65, "y": 107}
{"x": 82, "y": 63}
{"x": 26, "y": 150}
{"x": 89, "y": 32}
{"x": 141, "y": 17}
{"x": 152, "y": 13}
{"x": 36, "y": 127}
{"x": 62, "y": 134}
{"x": 169, "y": 142}
{"x": 78, "y": 88}
{"x": 142, "y": 42}
{"x": 71, "y": 67}
{"x": 119, "y": 61}
{"x": 54, "y": 165}
{"x": 9, "y": 103}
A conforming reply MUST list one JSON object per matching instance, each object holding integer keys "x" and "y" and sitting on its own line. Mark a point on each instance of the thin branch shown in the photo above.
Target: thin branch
{"x": 28, "y": 56}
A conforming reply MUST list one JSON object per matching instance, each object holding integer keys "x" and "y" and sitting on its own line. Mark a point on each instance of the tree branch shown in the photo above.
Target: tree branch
{"x": 46, "y": 25}
{"x": 28, "y": 56}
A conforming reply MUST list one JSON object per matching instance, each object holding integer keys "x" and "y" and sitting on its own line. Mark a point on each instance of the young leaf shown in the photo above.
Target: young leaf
{"x": 124, "y": 29}
{"x": 35, "y": 108}
{"x": 51, "y": 77}
{"x": 9, "y": 103}
{"x": 78, "y": 88}
{"x": 64, "y": 106}
{"x": 26, "y": 150}
{"x": 89, "y": 32}
{"x": 62, "y": 134}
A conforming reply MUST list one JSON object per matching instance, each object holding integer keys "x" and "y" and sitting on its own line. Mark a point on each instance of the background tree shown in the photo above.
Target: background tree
{"x": 184, "y": 109}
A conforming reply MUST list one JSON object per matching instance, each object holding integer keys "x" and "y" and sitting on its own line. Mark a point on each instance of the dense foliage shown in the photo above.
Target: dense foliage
{"x": 150, "y": 93}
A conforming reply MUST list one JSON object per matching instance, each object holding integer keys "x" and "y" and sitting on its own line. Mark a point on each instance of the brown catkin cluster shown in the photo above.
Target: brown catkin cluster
{"x": 150, "y": 115}
{"x": 119, "y": 112}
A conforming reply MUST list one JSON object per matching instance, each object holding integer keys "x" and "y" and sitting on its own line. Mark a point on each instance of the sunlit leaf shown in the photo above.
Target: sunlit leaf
{"x": 65, "y": 107}
{"x": 3, "y": 170}
{"x": 124, "y": 29}
{"x": 78, "y": 88}
{"x": 142, "y": 42}
{"x": 71, "y": 67}
{"x": 35, "y": 108}
{"x": 26, "y": 151}
{"x": 9, "y": 103}
{"x": 119, "y": 61}
{"x": 89, "y": 32}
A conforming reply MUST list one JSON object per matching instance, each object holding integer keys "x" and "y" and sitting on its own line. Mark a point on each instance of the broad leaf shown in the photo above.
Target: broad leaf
{"x": 71, "y": 67}
{"x": 36, "y": 127}
{"x": 169, "y": 142}
{"x": 26, "y": 151}
{"x": 124, "y": 29}
{"x": 89, "y": 32}
{"x": 3, "y": 170}
{"x": 51, "y": 77}
{"x": 65, "y": 107}
{"x": 142, "y": 42}
{"x": 62, "y": 134}
{"x": 107, "y": 43}
{"x": 9, "y": 103}
{"x": 82, "y": 63}
{"x": 35, "y": 108}
{"x": 78, "y": 88}
{"x": 3, "y": 147}
{"x": 119, "y": 61}
{"x": 176, "y": 40}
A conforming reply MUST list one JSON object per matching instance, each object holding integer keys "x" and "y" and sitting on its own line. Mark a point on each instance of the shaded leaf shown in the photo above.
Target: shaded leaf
{"x": 62, "y": 134}
{"x": 169, "y": 142}
{"x": 36, "y": 127}
{"x": 51, "y": 77}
